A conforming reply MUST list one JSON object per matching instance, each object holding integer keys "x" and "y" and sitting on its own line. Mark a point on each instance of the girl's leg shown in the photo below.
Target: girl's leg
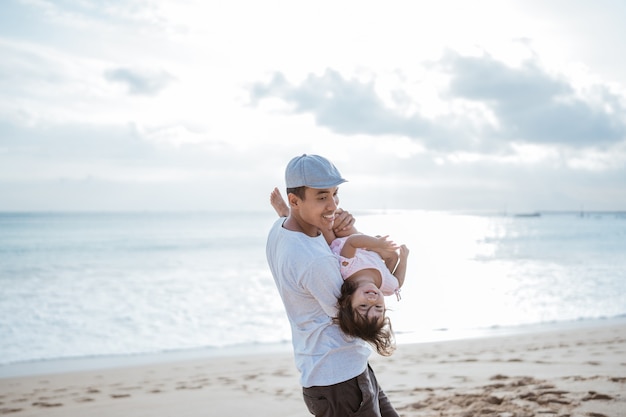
{"x": 277, "y": 201}
{"x": 391, "y": 260}
{"x": 400, "y": 271}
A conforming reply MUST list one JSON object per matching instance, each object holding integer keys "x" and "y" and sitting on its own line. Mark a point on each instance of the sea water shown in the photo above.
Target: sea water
{"x": 78, "y": 285}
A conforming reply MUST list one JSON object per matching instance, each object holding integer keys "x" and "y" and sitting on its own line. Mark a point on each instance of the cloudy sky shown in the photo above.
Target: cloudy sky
{"x": 193, "y": 104}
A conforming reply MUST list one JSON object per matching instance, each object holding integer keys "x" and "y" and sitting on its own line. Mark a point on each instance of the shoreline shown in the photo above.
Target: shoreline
{"x": 575, "y": 370}
{"x": 103, "y": 362}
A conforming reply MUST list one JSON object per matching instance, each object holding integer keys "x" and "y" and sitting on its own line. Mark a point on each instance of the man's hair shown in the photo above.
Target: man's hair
{"x": 373, "y": 330}
{"x": 299, "y": 191}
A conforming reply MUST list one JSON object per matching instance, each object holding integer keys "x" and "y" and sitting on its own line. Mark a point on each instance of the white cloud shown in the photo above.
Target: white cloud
{"x": 140, "y": 81}
{"x": 445, "y": 104}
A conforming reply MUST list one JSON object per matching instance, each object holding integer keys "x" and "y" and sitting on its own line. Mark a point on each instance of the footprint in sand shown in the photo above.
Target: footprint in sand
{"x": 596, "y": 396}
{"x": 190, "y": 387}
{"x": 21, "y": 400}
{"x": 281, "y": 372}
{"x": 9, "y": 410}
{"x": 84, "y": 400}
{"x": 46, "y": 405}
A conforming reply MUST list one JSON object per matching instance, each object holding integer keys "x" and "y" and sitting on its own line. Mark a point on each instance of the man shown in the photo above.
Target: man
{"x": 334, "y": 373}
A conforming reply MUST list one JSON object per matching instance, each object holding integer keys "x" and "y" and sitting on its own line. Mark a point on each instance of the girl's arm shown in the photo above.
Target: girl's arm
{"x": 400, "y": 271}
{"x": 329, "y": 235}
{"x": 360, "y": 241}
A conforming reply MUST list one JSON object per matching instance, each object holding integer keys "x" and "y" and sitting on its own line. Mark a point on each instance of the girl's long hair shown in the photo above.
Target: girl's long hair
{"x": 376, "y": 332}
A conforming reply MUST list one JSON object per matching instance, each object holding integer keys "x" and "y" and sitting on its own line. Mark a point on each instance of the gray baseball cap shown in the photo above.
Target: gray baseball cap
{"x": 312, "y": 171}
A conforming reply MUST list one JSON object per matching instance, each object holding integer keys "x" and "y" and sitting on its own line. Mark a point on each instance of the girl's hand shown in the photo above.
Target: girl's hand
{"x": 384, "y": 246}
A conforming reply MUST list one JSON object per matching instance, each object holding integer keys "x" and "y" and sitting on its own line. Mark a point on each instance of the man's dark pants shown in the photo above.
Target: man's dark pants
{"x": 360, "y": 396}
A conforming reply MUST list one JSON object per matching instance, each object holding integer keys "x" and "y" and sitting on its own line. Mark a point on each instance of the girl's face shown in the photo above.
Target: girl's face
{"x": 369, "y": 301}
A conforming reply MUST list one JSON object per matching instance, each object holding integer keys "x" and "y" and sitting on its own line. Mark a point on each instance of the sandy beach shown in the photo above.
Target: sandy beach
{"x": 575, "y": 370}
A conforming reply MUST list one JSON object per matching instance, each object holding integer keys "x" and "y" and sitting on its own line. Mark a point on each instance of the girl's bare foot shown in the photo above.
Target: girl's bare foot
{"x": 277, "y": 201}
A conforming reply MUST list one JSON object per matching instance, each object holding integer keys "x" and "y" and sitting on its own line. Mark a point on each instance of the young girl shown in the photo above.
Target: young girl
{"x": 372, "y": 267}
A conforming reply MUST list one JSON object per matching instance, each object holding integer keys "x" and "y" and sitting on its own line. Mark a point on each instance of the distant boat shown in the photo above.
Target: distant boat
{"x": 533, "y": 214}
